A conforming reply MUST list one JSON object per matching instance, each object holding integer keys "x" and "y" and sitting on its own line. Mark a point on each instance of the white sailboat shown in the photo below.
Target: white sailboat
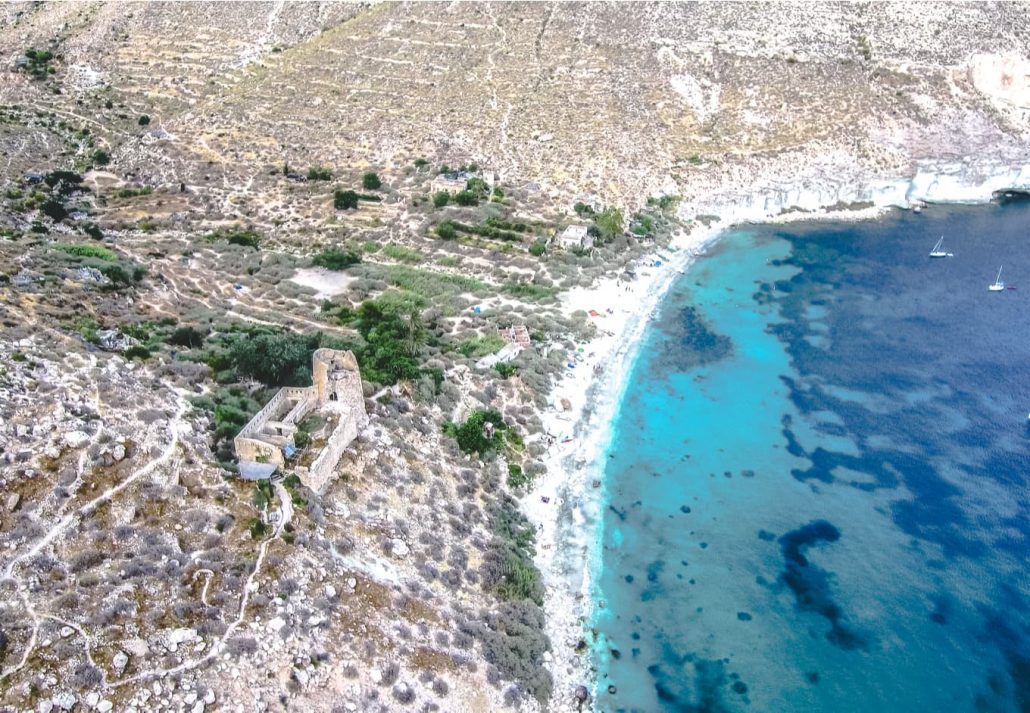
{"x": 998, "y": 285}
{"x": 938, "y": 249}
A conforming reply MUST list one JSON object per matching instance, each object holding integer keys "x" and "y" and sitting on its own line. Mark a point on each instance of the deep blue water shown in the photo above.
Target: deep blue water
{"x": 817, "y": 489}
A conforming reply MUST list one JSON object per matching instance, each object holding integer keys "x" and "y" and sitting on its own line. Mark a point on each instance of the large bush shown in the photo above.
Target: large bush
{"x": 345, "y": 200}
{"x": 370, "y": 182}
{"x": 275, "y": 359}
{"x": 472, "y": 434}
{"x": 394, "y": 335}
{"x": 336, "y": 259}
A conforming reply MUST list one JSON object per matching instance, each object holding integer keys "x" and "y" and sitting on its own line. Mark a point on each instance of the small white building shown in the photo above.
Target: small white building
{"x": 575, "y": 236}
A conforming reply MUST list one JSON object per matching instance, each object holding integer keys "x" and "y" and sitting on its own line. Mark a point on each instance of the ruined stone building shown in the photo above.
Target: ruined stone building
{"x": 263, "y": 445}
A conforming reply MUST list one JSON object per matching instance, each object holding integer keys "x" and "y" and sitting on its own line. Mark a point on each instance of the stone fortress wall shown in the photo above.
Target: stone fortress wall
{"x": 335, "y": 389}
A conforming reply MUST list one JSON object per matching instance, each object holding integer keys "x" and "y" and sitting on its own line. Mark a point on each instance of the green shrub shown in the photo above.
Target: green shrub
{"x": 446, "y": 231}
{"x": 425, "y": 284}
{"x": 257, "y": 528}
{"x": 336, "y": 259}
{"x": 471, "y": 436}
{"x": 93, "y": 251}
{"x": 394, "y": 334}
{"x": 65, "y": 181}
{"x": 505, "y": 369}
{"x": 524, "y": 290}
{"x": 275, "y": 359}
{"x": 101, "y": 158}
{"x": 54, "y": 209}
{"x": 420, "y": 163}
{"x": 133, "y": 192}
{"x": 609, "y": 223}
{"x": 319, "y": 173}
{"x": 441, "y": 199}
{"x": 189, "y": 337}
{"x": 122, "y": 274}
{"x": 491, "y": 229}
{"x": 345, "y": 200}
{"x": 518, "y": 478}
{"x": 466, "y": 198}
{"x": 583, "y": 210}
{"x": 481, "y": 346}
{"x": 403, "y": 254}
{"x": 38, "y": 63}
{"x": 137, "y": 352}
{"x": 370, "y": 182}
{"x": 247, "y": 237}
{"x": 143, "y": 120}
{"x": 538, "y": 248}
{"x": 93, "y": 231}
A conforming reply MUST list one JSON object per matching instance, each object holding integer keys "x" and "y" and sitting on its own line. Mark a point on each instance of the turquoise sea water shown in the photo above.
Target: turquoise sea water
{"x": 817, "y": 486}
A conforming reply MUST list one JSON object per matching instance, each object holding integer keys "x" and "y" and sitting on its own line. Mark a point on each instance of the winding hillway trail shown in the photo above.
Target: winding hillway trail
{"x": 248, "y": 588}
{"x": 67, "y": 521}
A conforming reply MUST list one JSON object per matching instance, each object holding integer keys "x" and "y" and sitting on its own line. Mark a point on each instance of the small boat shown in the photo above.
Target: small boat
{"x": 998, "y": 285}
{"x": 938, "y": 249}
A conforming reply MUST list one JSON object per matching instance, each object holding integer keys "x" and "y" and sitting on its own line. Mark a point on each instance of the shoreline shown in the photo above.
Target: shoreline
{"x": 567, "y": 523}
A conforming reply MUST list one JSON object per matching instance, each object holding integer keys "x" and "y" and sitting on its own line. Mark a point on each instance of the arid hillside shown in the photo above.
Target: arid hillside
{"x": 621, "y": 98}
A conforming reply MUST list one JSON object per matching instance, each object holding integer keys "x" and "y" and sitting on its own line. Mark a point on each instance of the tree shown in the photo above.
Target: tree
{"x": 345, "y": 200}
{"x": 474, "y": 436}
{"x": 394, "y": 334}
{"x": 336, "y": 259}
{"x": 441, "y": 199}
{"x": 609, "y": 223}
{"x": 370, "y": 182}
{"x": 189, "y": 337}
{"x": 144, "y": 120}
{"x": 275, "y": 359}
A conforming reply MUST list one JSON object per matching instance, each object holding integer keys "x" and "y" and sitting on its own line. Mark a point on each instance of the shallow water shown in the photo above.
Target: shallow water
{"x": 817, "y": 490}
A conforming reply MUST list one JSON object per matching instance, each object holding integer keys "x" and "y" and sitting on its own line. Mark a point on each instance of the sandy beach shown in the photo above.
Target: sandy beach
{"x": 565, "y": 504}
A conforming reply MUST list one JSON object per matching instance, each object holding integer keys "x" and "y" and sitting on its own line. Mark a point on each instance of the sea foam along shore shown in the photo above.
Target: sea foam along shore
{"x": 565, "y": 504}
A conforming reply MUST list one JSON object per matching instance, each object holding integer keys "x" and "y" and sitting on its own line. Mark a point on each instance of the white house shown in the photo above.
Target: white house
{"x": 575, "y": 236}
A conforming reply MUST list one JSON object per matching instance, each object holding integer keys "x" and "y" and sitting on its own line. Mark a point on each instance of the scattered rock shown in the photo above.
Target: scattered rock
{"x": 120, "y": 660}
{"x": 399, "y": 548}
{"x": 11, "y": 502}
{"x": 65, "y": 701}
{"x": 66, "y": 631}
{"x": 329, "y": 591}
{"x": 104, "y": 706}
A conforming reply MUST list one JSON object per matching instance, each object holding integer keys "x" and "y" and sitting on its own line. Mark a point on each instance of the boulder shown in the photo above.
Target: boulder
{"x": 64, "y": 700}
{"x": 76, "y": 439}
{"x": 120, "y": 660}
{"x": 399, "y": 548}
